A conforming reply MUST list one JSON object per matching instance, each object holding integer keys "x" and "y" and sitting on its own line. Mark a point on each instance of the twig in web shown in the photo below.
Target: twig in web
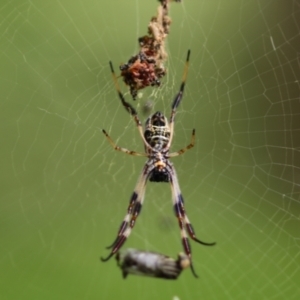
{"x": 147, "y": 67}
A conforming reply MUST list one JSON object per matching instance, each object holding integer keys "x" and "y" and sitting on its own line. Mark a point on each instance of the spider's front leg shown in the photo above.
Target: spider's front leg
{"x": 133, "y": 211}
{"x": 183, "y": 220}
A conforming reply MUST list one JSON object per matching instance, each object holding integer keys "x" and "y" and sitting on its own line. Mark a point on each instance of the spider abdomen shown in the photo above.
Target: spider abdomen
{"x": 157, "y": 131}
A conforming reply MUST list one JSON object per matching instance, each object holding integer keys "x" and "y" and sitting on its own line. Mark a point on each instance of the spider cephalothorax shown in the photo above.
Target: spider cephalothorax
{"x": 157, "y": 138}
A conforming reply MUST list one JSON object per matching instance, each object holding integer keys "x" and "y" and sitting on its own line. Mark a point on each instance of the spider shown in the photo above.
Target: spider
{"x": 157, "y": 139}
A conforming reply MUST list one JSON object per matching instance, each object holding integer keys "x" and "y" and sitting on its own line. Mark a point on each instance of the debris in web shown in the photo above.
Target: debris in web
{"x": 148, "y": 66}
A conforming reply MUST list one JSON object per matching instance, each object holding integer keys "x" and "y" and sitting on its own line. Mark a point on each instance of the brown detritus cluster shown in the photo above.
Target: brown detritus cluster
{"x": 147, "y": 67}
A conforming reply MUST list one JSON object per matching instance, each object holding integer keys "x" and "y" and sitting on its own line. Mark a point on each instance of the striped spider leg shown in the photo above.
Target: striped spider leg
{"x": 157, "y": 138}
{"x": 183, "y": 221}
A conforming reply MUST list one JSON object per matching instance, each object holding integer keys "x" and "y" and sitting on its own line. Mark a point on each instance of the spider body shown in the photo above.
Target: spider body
{"x": 157, "y": 138}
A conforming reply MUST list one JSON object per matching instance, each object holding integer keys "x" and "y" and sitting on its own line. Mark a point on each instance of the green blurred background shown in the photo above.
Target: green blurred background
{"x": 64, "y": 191}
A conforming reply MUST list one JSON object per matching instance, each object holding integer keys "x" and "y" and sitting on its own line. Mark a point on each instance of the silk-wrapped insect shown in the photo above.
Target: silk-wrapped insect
{"x": 151, "y": 264}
